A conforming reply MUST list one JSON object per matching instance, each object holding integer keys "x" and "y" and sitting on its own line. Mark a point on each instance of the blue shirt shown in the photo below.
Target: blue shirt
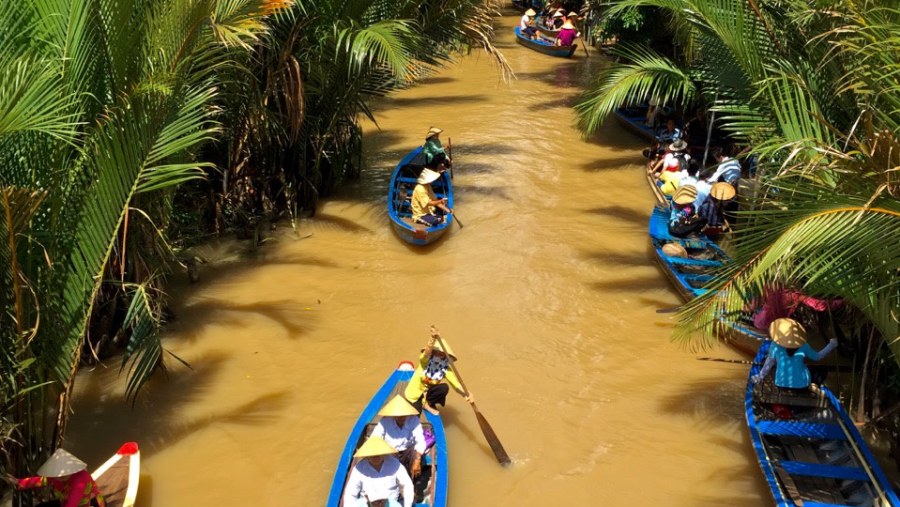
{"x": 791, "y": 370}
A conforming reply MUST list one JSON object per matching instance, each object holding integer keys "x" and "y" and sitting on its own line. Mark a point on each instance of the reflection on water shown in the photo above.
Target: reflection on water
{"x": 549, "y": 296}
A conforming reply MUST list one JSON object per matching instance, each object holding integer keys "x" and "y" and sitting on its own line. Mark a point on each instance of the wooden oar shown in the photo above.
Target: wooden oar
{"x": 450, "y": 151}
{"x": 489, "y": 434}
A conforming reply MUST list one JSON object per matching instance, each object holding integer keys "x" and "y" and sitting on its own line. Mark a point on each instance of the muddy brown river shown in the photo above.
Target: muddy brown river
{"x": 548, "y": 295}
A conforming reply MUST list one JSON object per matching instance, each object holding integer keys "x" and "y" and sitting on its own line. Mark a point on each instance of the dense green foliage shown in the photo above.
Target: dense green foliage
{"x": 107, "y": 107}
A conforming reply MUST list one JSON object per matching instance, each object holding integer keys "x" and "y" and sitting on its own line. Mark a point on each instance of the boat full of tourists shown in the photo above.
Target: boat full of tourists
{"x": 545, "y": 46}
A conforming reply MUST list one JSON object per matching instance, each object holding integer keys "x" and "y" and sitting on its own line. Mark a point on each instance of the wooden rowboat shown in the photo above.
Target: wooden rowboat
{"x": 542, "y": 45}
{"x": 400, "y": 190}
{"x": 550, "y": 33}
{"x": 635, "y": 120}
{"x": 691, "y": 275}
{"x": 431, "y": 484}
{"x": 809, "y": 448}
{"x": 118, "y": 478}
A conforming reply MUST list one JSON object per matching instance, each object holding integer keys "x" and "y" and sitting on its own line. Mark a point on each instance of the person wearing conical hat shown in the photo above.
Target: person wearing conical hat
{"x": 426, "y": 389}
{"x": 567, "y": 34}
{"x": 675, "y": 159}
{"x": 67, "y": 478}
{"x": 713, "y": 210}
{"x": 400, "y": 427}
{"x": 558, "y": 19}
{"x": 683, "y": 219}
{"x": 690, "y": 176}
{"x": 435, "y": 157}
{"x": 426, "y": 207}
{"x": 788, "y": 354}
{"x": 527, "y": 24}
{"x": 378, "y": 477}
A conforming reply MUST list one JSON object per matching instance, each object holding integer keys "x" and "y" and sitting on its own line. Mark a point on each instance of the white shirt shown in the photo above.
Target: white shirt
{"x": 526, "y": 21}
{"x": 388, "y": 483}
{"x": 730, "y": 168}
{"x": 671, "y": 160}
{"x": 703, "y": 188}
{"x": 404, "y": 437}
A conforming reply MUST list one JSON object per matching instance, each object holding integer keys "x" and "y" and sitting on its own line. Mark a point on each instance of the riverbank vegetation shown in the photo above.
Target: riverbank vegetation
{"x": 126, "y": 126}
{"x": 808, "y": 90}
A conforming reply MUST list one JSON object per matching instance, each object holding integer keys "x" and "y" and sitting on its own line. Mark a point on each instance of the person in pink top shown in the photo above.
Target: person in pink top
{"x": 567, "y": 34}
{"x": 68, "y": 480}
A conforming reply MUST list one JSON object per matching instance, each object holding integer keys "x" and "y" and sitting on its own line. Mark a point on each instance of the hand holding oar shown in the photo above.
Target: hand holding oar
{"x": 489, "y": 434}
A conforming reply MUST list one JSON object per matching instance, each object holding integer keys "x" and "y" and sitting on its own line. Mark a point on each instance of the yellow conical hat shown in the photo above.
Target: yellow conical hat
{"x": 398, "y": 407}
{"x": 374, "y": 446}
{"x": 788, "y": 333}
{"x": 449, "y": 351}
{"x": 61, "y": 464}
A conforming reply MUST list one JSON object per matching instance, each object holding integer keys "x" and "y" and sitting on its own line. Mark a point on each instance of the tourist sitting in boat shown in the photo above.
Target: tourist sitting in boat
{"x": 689, "y": 176}
{"x": 400, "y": 427}
{"x": 788, "y": 355}
{"x": 729, "y": 169}
{"x": 558, "y": 20}
{"x": 526, "y": 26}
{"x": 68, "y": 480}
{"x": 669, "y": 179}
{"x": 426, "y": 389}
{"x": 567, "y": 34}
{"x": 683, "y": 220}
{"x": 675, "y": 158}
{"x": 378, "y": 478}
{"x": 435, "y": 156}
{"x": 670, "y": 134}
{"x": 426, "y": 207}
{"x": 713, "y": 209}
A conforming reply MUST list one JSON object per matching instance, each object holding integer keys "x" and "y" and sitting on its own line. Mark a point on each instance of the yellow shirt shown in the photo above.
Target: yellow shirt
{"x": 669, "y": 181}
{"x": 427, "y": 373}
{"x": 421, "y": 196}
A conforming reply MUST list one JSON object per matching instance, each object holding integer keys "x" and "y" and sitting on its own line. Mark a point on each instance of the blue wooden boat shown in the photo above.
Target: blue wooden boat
{"x": 635, "y": 120}
{"x": 403, "y": 181}
{"x": 431, "y": 485}
{"x": 809, "y": 449}
{"x": 690, "y": 276}
{"x": 542, "y": 45}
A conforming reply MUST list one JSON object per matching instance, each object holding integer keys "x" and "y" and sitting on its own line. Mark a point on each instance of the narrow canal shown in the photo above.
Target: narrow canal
{"x": 548, "y": 295}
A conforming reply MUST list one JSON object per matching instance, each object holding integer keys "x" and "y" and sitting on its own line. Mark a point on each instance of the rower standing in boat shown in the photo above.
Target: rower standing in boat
{"x": 567, "y": 34}
{"x": 435, "y": 156}
{"x": 69, "y": 480}
{"x": 426, "y": 388}
{"x": 788, "y": 355}
{"x": 426, "y": 207}
{"x": 400, "y": 427}
{"x": 378, "y": 478}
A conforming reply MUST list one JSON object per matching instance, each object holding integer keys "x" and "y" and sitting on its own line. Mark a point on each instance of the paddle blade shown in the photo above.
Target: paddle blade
{"x": 493, "y": 441}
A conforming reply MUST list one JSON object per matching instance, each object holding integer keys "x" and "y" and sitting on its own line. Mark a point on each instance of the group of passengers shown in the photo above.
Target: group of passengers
{"x": 391, "y": 457}
{"x": 559, "y": 21}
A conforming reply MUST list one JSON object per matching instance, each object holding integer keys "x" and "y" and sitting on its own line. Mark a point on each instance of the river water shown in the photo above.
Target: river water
{"x": 548, "y": 295}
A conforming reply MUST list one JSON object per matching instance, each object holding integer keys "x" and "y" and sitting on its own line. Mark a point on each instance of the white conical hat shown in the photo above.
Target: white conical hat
{"x": 427, "y": 176}
{"x": 374, "y": 446}
{"x": 61, "y": 464}
{"x": 398, "y": 407}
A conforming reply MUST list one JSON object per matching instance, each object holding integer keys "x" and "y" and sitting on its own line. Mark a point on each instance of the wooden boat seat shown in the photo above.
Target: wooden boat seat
{"x": 802, "y": 429}
{"x": 825, "y": 471}
{"x": 767, "y": 392}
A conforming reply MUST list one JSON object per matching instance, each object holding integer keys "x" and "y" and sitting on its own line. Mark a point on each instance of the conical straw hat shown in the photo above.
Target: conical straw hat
{"x": 61, "y": 464}
{"x": 685, "y": 194}
{"x": 449, "y": 351}
{"x": 568, "y": 25}
{"x": 674, "y": 250}
{"x": 788, "y": 333}
{"x": 531, "y": 13}
{"x": 722, "y": 191}
{"x": 398, "y": 407}
{"x": 374, "y": 446}
{"x": 427, "y": 176}
{"x": 433, "y": 131}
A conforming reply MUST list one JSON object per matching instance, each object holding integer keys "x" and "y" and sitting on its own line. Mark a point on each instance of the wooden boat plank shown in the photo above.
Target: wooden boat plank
{"x": 826, "y": 471}
{"x": 802, "y": 429}
{"x": 118, "y": 478}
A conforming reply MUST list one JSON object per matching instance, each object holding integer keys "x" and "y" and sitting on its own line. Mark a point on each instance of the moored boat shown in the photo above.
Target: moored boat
{"x": 635, "y": 119}
{"x": 431, "y": 484}
{"x": 118, "y": 478}
{"x": 809, "y": 448}
{"x": 400, "y": 189}
{"x": 542, "y": 45}
{"x": 691, "y": 275}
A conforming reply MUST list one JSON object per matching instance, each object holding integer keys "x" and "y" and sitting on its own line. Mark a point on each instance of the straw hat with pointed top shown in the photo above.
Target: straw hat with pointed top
{"x": 398, "y": 407}
{"x": 427, "y": 176}
{"x": 530, "y": 12}
{"x": 722, "y": 191}
{"x": 686, "y": 194}
{"x": 61, "y": 464}
{"x": 788, "y": 333}
{"x": 678, "y": 145}
{"x": 448, "y": 351}
{"x": 374, "y": 446}
{"x": 568, "y": 24}
{"x": 558, "y": 14}
{"x": 433, "y": 131}
{"x": 674, "y": 250}
{"x": 572, "y": 14}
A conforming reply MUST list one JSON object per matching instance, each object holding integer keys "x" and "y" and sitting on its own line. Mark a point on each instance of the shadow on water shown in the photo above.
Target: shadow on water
{"x": 621, "y": 213}
{"x": 606, "y": 164}
{"x": 220, "y": 312}
{"x": 436, "y": 80}
{"x": 650, "y": 282}
{"x": 475, "y": 168}
{"x": 482, "y": 149}
{"x": 459, "y": 420}
{"x": 481, "y": 191}
{"x": 180, "y": 387}
{"x": 432, "y": 101}
{"x": 340, "y": 223}
{"x": 618, "y": 259}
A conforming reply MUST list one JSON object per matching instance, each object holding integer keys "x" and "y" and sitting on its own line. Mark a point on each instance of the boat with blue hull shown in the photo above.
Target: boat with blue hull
{"x": 809, "y": 448}
{"x": 403, "y": 181}
{"x": 431, "y": 484}
{"x": 691, "y": 275}
{"x": 545, "y": 46}
{"x": 635, "y": 119}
